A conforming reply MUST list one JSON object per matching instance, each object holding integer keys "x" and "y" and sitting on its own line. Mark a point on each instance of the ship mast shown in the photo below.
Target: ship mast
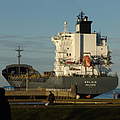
{"x": 19, "y": 50}
{"x": 65, "y": 26}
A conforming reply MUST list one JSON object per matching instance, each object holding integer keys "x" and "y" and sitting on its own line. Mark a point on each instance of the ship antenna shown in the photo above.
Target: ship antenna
{"x": 65, "y": 26}
{"x": 19, "y": 50}
{"x": 81, "y": 15}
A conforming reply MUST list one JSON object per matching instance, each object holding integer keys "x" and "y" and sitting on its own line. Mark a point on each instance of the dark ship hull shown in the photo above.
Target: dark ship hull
{"x": 85, "y": 85}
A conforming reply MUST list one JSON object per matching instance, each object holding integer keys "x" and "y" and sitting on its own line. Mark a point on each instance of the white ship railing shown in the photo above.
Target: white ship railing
{"x": 112, "y": 74}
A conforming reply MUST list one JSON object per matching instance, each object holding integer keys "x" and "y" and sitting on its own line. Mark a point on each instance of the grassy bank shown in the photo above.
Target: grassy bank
{"x": 64, "y": 113}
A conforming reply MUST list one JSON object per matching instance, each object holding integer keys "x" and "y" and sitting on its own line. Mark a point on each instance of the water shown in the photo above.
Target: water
{"x": 109, "y": 94}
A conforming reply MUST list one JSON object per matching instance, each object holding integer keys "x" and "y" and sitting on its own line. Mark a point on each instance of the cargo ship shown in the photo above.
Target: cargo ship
{"x": 82, "y": 62}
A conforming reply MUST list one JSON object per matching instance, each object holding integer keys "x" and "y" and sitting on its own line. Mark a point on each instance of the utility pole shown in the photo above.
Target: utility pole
{"x": 27, "y": 80}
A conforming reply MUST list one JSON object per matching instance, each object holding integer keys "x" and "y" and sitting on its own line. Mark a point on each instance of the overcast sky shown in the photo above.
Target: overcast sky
{"x": 31, "y": 24}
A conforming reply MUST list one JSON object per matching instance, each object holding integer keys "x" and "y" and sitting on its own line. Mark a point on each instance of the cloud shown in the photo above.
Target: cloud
{"x": 29, "y": 43}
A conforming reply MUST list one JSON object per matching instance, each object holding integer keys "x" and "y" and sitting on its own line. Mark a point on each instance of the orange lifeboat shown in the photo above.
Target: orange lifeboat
{"x": 87, "y": 61}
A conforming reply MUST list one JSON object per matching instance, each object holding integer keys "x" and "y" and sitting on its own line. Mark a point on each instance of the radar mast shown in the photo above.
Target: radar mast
{"x": 19, "y": 50}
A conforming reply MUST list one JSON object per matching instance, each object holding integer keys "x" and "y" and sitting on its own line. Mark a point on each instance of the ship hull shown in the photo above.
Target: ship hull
{"x": 84, "y": 84}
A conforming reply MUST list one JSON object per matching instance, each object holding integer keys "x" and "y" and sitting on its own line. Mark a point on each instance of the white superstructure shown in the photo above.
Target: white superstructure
{"x": 81, "y": 52}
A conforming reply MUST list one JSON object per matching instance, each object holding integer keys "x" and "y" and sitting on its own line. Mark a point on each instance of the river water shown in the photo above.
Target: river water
{"x": 109, "y": 94}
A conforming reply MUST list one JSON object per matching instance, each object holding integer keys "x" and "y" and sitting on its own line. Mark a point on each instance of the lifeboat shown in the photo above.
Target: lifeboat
{"x": 87, "y": 61}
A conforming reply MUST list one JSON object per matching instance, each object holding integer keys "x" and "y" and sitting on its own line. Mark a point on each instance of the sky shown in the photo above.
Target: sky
{"x": 32, "y": 23}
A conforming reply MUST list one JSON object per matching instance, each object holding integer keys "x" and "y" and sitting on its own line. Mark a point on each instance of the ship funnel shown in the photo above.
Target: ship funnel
{"x": 83, "y": 25}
